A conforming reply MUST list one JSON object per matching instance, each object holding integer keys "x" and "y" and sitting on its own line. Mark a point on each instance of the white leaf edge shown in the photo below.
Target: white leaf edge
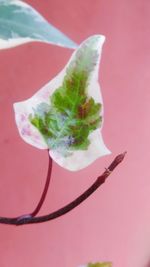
{"x": 14, "y": 42}
{"x": 79, "y": 159}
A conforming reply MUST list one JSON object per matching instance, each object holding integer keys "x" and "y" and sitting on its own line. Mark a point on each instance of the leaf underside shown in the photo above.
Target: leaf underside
{"x": 71, "y": 115}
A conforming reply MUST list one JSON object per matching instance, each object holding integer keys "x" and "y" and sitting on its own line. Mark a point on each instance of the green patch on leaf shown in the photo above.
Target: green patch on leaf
{"x": 71, "y": 115}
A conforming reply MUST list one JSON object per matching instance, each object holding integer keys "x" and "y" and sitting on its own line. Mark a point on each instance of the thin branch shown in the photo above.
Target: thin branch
{"x": 60, "y": 212}
{"x": 44, "y": 193}
{"x": 43, "y": 196}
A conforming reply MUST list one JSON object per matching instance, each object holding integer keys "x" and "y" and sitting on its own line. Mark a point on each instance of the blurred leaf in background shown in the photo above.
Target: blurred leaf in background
{"x": 20, "y": 23}
{"x": 98, "y": 264}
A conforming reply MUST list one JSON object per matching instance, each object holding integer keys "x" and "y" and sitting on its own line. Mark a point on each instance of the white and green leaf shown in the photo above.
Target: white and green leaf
{"x": 66, "y": 115}
{"x": 20, "y": 23}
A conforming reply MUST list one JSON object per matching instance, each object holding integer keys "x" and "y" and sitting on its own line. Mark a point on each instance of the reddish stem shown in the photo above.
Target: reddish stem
{"x": 43, "y": 196}
{"x": 44, "y": 193}
{"x": 60, "y": 212}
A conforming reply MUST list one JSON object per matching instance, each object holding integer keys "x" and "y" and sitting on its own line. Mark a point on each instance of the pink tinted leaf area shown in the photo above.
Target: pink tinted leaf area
{"x": 66, "y": 115}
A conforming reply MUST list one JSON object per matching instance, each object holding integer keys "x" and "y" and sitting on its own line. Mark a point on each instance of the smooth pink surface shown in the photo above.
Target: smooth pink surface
{"x": 113, "y": 224}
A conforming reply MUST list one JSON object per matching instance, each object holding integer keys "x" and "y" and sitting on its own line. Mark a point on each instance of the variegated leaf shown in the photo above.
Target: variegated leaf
{"x": 66, "y": 115}
{"x": 20, "y": 23}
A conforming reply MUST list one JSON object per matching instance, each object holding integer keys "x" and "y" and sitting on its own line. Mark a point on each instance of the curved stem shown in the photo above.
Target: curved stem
{"x": 43, "y": 196}
{"x": 60, "y": 212}
{"x": 44, "y": 193}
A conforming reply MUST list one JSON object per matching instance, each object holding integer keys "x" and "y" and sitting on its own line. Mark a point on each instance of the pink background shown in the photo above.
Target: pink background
{"x": 114, "y": 223}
